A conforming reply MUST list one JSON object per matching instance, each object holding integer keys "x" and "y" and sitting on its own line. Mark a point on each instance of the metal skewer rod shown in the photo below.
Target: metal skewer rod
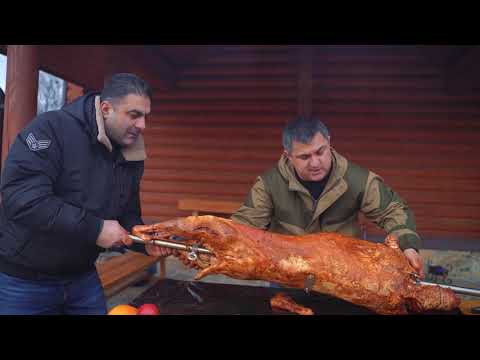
{"x": 171, "y": 245}
{"x": 457, "y": 289}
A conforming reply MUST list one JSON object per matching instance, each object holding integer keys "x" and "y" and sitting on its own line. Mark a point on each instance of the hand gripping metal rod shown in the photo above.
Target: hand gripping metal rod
{"x": 172, "y": 245}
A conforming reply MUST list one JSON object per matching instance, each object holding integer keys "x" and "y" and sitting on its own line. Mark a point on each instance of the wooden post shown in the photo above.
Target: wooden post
{"x": 21, "y": 92}
{"x": 305, "y": 81}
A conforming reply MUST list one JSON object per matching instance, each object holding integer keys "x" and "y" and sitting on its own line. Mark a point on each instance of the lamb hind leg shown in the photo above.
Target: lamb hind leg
{"x": 282, "y": 301}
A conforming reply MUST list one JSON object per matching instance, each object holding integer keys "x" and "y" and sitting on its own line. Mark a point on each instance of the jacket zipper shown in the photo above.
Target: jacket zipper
{"x": 315, "y": 202}
{"x": 114, "y": 186}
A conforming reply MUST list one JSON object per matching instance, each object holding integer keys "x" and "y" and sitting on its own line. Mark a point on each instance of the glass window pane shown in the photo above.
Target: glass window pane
{"x": 3, "y": 71}
{"x": 51, "y": 92}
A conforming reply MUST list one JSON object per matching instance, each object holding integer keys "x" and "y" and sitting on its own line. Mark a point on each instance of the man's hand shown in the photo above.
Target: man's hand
{"x": 154, "y": 250}
{"x": 113, "y": 234}
{"x": 415, "y": 261}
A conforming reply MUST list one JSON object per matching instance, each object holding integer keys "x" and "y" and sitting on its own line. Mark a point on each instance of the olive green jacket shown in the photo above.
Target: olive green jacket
{"x": 279, "y": 203}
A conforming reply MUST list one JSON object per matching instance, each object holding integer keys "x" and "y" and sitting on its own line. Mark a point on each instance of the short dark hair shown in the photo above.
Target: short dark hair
{"x": 124, "y": 84}
{"x": 302, "y": 129}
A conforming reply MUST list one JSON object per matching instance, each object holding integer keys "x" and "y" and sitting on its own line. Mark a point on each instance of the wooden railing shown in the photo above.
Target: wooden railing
{"x": 118, "y": 272}
{"x": 198, "y": 206}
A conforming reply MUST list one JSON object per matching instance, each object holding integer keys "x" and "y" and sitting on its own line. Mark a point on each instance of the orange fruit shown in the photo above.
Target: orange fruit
{"x": 123, "y": 310}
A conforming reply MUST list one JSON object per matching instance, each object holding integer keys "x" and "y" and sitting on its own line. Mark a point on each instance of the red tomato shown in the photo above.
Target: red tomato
{"x": 148, "y": 309}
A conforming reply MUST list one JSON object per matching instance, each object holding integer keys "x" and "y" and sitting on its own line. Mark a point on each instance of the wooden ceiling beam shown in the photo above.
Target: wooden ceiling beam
{"x": 143, "y": 61}
{"x": 90, "y": 65}
{"x": 84, "y": 65}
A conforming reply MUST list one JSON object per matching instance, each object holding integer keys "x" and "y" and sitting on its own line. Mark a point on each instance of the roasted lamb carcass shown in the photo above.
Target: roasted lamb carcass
{"x": 376, "y": 276}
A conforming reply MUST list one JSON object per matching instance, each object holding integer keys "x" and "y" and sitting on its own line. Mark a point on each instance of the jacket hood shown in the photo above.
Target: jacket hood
{"x": 86, "y": 109}
{"x": 83, "y": 109}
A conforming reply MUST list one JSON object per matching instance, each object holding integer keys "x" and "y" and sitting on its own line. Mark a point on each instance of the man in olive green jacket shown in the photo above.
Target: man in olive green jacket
{"x": 313, "y": 188}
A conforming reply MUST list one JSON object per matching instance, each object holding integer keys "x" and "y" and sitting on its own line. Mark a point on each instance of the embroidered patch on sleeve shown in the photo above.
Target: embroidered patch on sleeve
{"x": 36, "y": 145}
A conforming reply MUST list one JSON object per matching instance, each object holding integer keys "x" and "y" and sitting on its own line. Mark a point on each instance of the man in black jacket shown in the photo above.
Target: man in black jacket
{"x": 70, "y": 188}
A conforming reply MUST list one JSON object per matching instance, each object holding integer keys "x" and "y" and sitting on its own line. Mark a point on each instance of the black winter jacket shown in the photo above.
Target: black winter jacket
{"x": 58, "y": 185}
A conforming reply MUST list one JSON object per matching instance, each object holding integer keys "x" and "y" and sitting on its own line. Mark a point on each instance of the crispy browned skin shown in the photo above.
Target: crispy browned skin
{"x": 376, "y": 276}
{"x": 284, "y": 302}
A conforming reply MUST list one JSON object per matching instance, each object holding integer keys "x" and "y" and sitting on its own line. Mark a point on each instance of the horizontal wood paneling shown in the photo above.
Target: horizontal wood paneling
{"x": 386, "y": 107}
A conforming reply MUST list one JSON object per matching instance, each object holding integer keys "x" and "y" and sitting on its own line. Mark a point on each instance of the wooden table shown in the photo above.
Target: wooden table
{"x": 173, "y": 298}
